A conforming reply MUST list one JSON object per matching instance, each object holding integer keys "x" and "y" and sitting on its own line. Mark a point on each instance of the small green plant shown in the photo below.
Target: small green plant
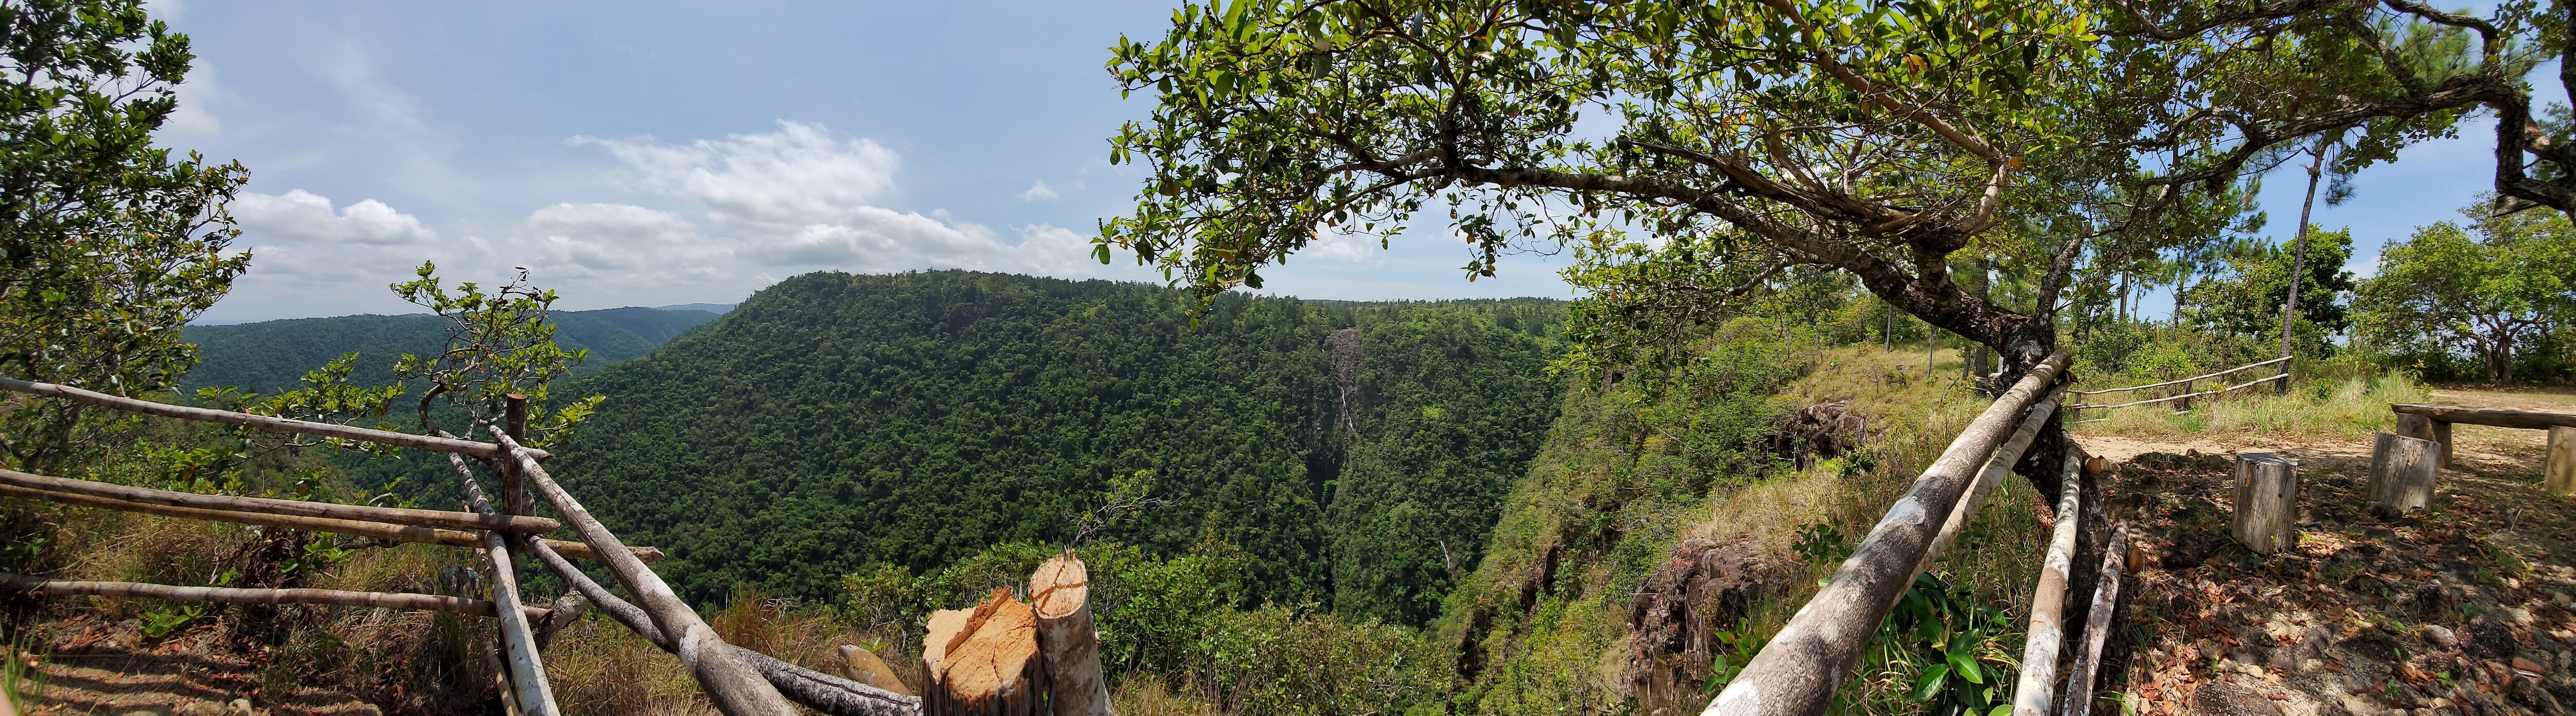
{"x": 1823, "y": 543}
{"x": 160, "y": 623}
{"x": 1960, "y": 640}
{"x": 21, "y": 683}
{"x": 1736, "y": 648}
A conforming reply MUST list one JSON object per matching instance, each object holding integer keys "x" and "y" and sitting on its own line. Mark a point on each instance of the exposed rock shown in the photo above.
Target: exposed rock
{"x": 1823, "y": 430}
{"x": 1679, "y": 614}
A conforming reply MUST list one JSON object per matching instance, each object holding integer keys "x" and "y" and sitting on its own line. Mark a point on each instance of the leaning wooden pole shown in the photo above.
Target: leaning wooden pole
{"x": 735, "y": 688}
{"x": 518, "y": 641}
{"x": 235, "y": 595}
{"x": 1997, "y": 468}
{"x": 822, "y": 692}
{"x": 2047, "y": 632}
{"x": 355, "y": 528}
{"x": 2097, "y": 625}
{"x": 1797, "y": 673}
{"x": 368, "y": 513}
{"x": 259, "y": 422}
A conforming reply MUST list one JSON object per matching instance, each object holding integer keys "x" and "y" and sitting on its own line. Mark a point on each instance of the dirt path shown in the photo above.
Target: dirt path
{"x": 2462, "y": 609}
{"x": 96, "y": 667}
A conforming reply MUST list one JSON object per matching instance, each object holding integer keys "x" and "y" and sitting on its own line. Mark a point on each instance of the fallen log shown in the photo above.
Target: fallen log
{"x": 987, "y": 663}
{"x": 735, "y": 688}
{"x": 819, "y": 691}
{"x": 1060, "y": 593}
{"x": 356, "y": 528}
{"x": 367, "y": 513}
{"x": 260, "y": 422}
{"x": 233, "y": 595}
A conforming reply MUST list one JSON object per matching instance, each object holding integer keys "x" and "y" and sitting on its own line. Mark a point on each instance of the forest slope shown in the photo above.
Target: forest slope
{"x": 835, "y": 422}
{"x": 270, "y": 355}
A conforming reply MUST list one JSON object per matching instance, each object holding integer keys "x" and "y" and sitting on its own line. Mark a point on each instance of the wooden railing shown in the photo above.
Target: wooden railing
{"x": 1798, "y": 671}
{"x": 2187, "y": 393}
{"x": 737, "y": 680}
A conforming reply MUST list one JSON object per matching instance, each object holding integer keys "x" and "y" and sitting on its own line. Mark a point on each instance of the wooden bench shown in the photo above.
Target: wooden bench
{"x": 2433, "y": 422}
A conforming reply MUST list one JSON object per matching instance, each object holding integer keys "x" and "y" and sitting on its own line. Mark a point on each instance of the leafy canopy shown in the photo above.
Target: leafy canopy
{"x": 108, "y": 244}
{"x": 1877, "y": 138}
{"x": 2480, "y": 289}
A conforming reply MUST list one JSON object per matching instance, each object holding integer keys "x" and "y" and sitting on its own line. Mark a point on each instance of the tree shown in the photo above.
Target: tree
{"x": 1873, "y": 138}
{"x": 108, "y": 244}
{"x": 2480, "y": 290}
{"x": 2243, "y": 302}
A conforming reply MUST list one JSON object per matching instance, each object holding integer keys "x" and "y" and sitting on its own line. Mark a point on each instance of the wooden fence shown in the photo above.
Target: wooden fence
{"x": 1798, "y": 671}
{"x": 737, "y": 680}
{"x": 2184, "y": 397}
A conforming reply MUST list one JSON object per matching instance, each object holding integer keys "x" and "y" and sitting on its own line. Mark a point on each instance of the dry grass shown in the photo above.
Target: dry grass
{"x": 2345, "y": 409}
{"x": 1914, "y": 419}
{"x": 1148, "y": 695}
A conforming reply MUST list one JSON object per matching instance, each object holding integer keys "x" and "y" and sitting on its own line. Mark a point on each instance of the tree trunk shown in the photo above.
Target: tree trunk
{"x": 2402, "y": 473}
{"x": 2298, "y": 263}
{"x": 1060, "y": 592}
{"x": 2267, "y": 502}
{"x": 2561, "y": 464}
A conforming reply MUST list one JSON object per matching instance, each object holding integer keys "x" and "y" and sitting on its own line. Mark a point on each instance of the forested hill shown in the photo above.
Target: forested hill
{"x": 1356, "y": 452}
{"x": 269, "y": 355}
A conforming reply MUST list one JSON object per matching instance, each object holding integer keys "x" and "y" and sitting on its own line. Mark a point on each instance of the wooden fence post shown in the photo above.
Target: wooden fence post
{"x": 2267, "y": 502}
{"x": 2402, "y": 473}
{"x": 2424, "y": 427}
{"x": 2562, "y": 461}
{"x": 2184, "y": 405}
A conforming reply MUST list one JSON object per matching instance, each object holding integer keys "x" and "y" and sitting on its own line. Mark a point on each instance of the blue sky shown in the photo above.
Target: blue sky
{"x": 655, "y": 153}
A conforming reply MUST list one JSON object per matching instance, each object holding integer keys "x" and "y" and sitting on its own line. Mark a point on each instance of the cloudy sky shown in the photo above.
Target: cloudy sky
{"x": 654, "y": 153}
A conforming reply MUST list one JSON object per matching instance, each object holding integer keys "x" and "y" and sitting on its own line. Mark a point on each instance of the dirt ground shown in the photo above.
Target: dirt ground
{"x": 2461, "y": 609}
{"x": 97, "y": 667}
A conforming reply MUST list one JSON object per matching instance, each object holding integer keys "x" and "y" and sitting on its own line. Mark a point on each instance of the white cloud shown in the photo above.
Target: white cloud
{"x": 618, "y": 236}
{"x": 800, "y": 174}
{"x": 305, "y": 216}
{"x": 1038, "y": 191}
{"x": 1337, "y": 247}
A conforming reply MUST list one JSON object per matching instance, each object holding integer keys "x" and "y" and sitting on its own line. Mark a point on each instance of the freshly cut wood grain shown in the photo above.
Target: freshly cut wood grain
{"x": 395, "y": 515}
{"x": 2561, "y": 479}
{"x": 2403, "y": 471}
{"x": 2267, "y": 502}
{"x": 990, "y": 665}
{"x": 231, "y": 595}
{"x": 1060, "y": 593}
{"x": 864, "y": 667}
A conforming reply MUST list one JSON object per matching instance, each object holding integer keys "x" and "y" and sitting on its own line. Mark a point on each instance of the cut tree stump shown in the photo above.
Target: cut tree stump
{"x": 2402, "y": 473}
{"x": 2267, "y": 502}
{"x": 985, "y": 661}
{"x": 866, "y": 668}
{"x": 2425, "y": 427}
{"x": 1060, "y": 592}
{"x": 2562, "y": 461}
